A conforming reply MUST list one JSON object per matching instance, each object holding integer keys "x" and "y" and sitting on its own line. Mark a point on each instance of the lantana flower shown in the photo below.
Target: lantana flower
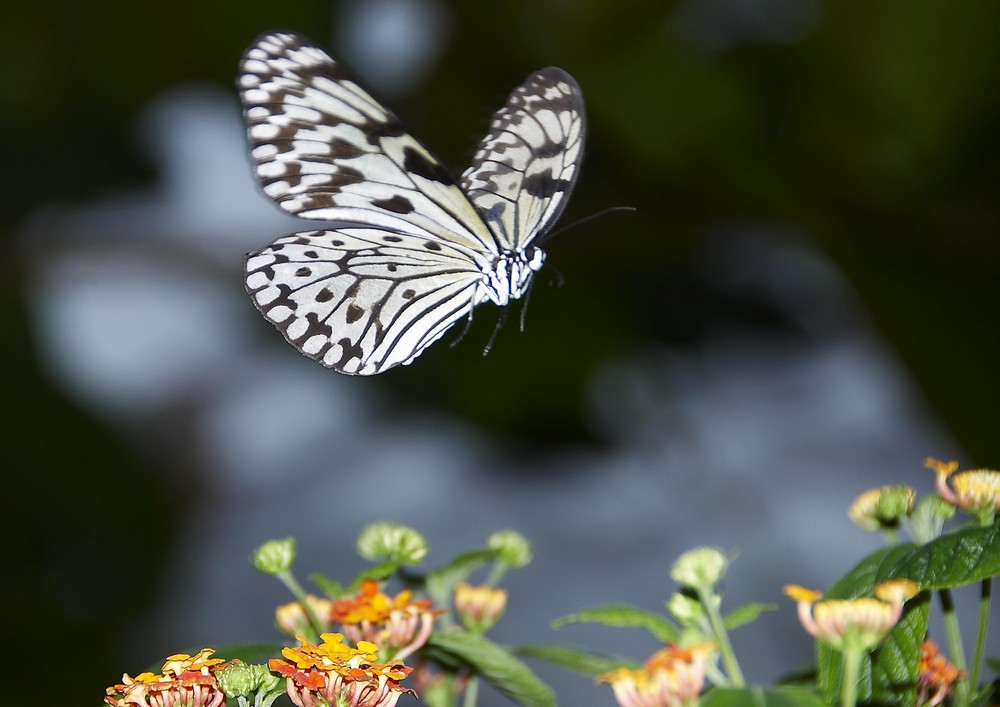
{"x": 671, "y": 677}
{"x": 185, "y": 680}
{"x": 399, "y": 625}
{"x": 291, "y": 618}
{"x": 975, "y": 490}
{"x": 937, "y": 676}
{"x": 853, "y": 624}
{"x": 882, "y": 507}
{"x": 480, "y": 607}
{"x": 333, "y": 673}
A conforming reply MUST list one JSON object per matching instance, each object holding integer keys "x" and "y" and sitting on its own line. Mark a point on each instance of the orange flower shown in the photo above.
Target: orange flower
{"x": 937, "y": 676}
{"x": 333, "y": 673}
{"x": 401, "y": 624}
{"x": 186, "y": 680}
{"x": 671, "y": 677}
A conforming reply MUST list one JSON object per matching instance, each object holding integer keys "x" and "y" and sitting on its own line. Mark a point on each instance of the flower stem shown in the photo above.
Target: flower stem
{"x": 954, "y": 636}
{"x": 985, "y": 594}
{"x": 722, "y": 638}
{"x": 288, "y": 579}
{"x": 849, "y": 683}
{"x": 471, "y": 692}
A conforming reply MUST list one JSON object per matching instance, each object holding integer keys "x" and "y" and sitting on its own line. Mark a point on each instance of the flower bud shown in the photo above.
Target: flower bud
{"x": 391, "y": 541}
{"x": 699, "y": 569}
{"x": 274, "y": 556}
{"x": 511, "y": 547}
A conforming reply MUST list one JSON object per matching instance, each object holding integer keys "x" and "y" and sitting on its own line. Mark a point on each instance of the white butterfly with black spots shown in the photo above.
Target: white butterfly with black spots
{"x": 412, "y": 250}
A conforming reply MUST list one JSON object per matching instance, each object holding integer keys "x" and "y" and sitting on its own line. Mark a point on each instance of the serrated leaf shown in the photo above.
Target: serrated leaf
{"x": 742, "y": 615}
{"x": 624, "y": 616}
{"x": 782, "y": 696}
{"x": 442, "y": 580}
{"x": 575, "y": 659}
{"x": 496, "y": 665}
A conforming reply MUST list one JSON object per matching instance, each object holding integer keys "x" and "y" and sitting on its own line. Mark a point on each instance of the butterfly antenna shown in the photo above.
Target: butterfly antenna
{"x": 585, "y": 219}
{"x": 524, "y": 303}
{"x": 496, "y": 330}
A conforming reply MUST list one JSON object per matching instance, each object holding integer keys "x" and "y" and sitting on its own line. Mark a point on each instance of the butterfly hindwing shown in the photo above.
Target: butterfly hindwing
{"x": 361, "y": 300}
{"x": 525, "y": 168}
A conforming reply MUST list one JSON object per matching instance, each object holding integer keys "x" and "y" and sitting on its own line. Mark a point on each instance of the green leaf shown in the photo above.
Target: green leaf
{"x": 379, "y": 572}
{"x": 969, "y": 554}
{"x": 624, "y": 615}
{"x": 575, "y": 659}
{"x": 742, "y": 615}
{"x": 782, "y": 696}
{"x": 442, "y": 580}
{"x": 495, "y": 665}
{"x": 330, "y": 587}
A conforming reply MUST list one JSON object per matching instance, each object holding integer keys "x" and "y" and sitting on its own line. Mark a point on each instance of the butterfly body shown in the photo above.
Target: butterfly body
{"x": 412, "y": 250}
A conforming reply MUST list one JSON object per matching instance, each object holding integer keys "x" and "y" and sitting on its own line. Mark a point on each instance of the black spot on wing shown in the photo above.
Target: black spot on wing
{"x": 418, "y": 164}
{"x": 397, "y": 204}
{"x": 432, "y": 245}
{"x": 354, "y": 313}
{"x": 544, "y": 186}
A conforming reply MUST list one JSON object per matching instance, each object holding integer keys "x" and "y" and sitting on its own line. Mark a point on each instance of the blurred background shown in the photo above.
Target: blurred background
{"x": 804, "y": 306}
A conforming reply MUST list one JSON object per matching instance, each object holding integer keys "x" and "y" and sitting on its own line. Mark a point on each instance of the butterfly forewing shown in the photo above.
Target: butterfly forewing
{"x": 411, "y": 252}
{"x": 323, "y": 148}
{"x": 524, "y": 169}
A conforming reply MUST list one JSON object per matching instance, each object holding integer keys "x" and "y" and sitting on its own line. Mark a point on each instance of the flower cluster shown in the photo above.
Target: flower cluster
{"x": 399, "y": 624}
{"x": 937, "y": 676}
{"x": 333, "y": 673}
{"x": 185, "y": 680}
{"x": 847, "y": 624}
{"x": 671, "y": 677}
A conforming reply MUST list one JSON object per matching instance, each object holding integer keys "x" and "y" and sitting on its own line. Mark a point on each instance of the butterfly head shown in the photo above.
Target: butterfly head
{"x": 508, "y": 276}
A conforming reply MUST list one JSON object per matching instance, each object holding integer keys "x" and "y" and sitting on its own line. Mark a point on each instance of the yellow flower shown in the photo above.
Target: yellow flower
{"x": 671, "y": 677}
{"x": 975, "y": 490}
{"x": 291, "y": 618}
{"x": 186, "y": 680}
{"x": 479, "y": 607}
{"x": 340, "y": 675}
{"x": 882, "y": 507}
{"x": 860, "y": 623}
{"x": 401, "y": 624}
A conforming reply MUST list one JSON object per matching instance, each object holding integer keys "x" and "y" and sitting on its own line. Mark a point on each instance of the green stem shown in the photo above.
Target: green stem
{"x": 288, "y": 579}
{"x": 985, "y": 594}
{"x": 849, "y": 683}
{"x": 722, "y": 638}
{"x": 471, "y": 692}
{"x": 954, "y": 636}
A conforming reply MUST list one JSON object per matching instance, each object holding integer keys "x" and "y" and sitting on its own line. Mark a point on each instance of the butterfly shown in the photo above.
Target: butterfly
{"x": 411, "y": 250}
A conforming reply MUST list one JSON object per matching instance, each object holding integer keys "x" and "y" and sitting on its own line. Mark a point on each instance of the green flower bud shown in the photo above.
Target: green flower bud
{"x": 274, "y": 556}
{"x": 699, "y": 569}
{"x": 685, "y": 609}
{"x": 236, "y": 679}
{"x": 391, "y": 541}
{"x": 512, "y": 548}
